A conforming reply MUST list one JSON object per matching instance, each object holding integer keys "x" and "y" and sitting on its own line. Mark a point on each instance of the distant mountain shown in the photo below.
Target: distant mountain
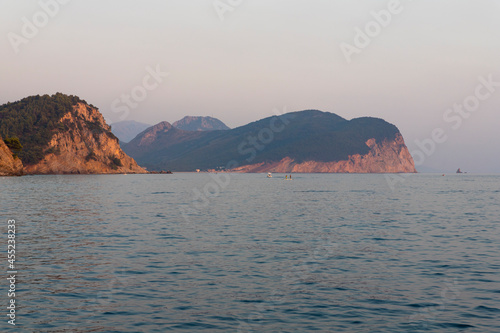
{"x": 162, "y": 139}
{"x": 128, "y": 129}
{"x": 305, "y": 141}
{"x": 63, "y": 134}
{"x": 189, "y": 123}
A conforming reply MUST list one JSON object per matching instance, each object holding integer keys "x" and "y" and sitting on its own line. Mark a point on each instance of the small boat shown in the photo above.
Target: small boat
{"x": 269, "y": 175}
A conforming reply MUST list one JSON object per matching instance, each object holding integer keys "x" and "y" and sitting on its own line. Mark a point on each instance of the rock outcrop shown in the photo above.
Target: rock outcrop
{"x": 385, "y": 157}
{"x": 9, "y": 165}
{"x": 88, "y": 147}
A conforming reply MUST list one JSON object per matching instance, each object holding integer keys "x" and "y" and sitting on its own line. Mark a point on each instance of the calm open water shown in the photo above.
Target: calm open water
{"x": 325, "y": 253}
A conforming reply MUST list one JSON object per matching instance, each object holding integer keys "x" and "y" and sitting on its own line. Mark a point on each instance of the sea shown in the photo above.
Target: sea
{"x": 200, "y": 252}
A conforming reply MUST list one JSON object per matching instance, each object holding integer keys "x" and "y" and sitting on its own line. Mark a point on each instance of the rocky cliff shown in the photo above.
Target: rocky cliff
{"x": 389, "y": 156}
{"x": 9, "y": 165}
{"x": 62, "y": 134}
{"x": 87, "y": 147}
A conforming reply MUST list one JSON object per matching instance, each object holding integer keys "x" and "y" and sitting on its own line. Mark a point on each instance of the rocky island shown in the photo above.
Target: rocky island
{"x": 62, "y": 134}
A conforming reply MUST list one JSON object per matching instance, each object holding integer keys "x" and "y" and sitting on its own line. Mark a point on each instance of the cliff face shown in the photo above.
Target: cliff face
{"x": 9, "y": 166}
{"x": 86, "y": 147}
{"x": 389, "y": 156}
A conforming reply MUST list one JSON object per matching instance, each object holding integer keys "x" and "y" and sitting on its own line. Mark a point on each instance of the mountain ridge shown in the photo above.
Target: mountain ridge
{"x": 302, "y": 137}
{"x": 199, "y": 123}
{"x": 126, "y": 130}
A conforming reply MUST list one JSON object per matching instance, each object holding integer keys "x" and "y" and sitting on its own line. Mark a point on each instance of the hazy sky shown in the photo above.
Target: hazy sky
{"x": 240, "y": 60}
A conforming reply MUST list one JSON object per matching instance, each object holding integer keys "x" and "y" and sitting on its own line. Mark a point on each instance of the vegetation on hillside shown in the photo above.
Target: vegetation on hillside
{"x": 115, "y": 162}
{"x": 309, "y": 135}
{"x": 14, "y": 145}
{"x": 34, "y": 120}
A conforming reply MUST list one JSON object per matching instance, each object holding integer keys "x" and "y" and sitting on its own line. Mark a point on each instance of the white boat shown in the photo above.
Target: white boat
{"x": 269, "y": 175}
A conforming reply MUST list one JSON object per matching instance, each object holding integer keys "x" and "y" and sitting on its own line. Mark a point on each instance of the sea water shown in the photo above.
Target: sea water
{"x": 246, "y": 253}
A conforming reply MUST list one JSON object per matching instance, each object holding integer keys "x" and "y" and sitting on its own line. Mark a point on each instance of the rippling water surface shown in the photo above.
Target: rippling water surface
{"x": 244, "y": 253}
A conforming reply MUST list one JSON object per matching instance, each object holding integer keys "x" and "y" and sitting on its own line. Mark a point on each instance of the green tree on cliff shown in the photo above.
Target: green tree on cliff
{"x": 14, "y": 144}
{"x": 33, "y": 121}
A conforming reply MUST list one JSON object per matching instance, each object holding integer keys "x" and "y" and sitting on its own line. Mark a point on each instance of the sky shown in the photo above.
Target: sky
{"x": 431, "y": 67}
